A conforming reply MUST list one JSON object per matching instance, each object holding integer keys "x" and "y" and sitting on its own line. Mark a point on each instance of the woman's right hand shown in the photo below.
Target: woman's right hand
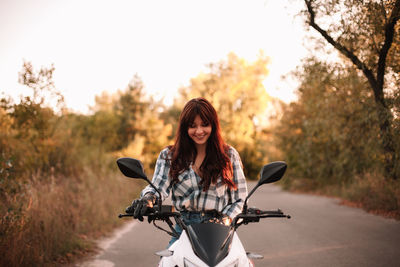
{"x": 140, "y": 206}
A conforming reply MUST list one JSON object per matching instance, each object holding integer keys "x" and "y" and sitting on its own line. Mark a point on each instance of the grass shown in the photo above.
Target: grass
{"x": 52, "y": 223}
{"x": 371, "y": 192}
{"x": 374, "y": 194}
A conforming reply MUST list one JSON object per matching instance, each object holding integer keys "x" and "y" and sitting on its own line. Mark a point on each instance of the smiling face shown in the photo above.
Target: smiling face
{"x": 199, "y": 131}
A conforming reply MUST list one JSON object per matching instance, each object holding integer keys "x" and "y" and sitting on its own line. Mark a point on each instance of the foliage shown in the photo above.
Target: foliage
{"x": 134, "y": 127}
{"x": 341, "y": 137}
{"x": 321, "y": 134}
{"x": 33, "y": 136}
{"x": 364, "y": 32}
{"x": 375, "y": 194}
{"x": 357, "y": 25}
{"x": 58, "y": 182}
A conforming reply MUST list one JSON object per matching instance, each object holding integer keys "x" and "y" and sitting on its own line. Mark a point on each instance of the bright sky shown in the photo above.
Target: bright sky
{"x": 99, "y": 45}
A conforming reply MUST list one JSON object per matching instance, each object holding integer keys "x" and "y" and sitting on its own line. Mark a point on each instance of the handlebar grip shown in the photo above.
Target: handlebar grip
{"x": 155, "y": 213}
{"x": 254, "y": 215}
{"x": 272, "y": 212}
{"x": 257, "y": 211}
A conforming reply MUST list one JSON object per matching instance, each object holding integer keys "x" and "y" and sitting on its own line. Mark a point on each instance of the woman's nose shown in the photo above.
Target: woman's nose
{"x": 199, "y": 129}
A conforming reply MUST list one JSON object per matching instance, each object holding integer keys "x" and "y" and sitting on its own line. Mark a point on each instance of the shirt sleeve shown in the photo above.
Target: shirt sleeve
{"x": 239, "y": 195}
{"x": 160, "y": 178}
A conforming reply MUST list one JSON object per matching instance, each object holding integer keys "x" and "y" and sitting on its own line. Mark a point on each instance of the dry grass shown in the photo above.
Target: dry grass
{"x": 56, "y": 221}
{"x": 371, "y": 192}
{"x": 375, "y": 194}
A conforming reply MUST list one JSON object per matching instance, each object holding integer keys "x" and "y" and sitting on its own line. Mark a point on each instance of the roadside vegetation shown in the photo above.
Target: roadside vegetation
{"x": 60, "y": 187}
{"x": 59, "y": 184}
{"x": 342, "y": 136}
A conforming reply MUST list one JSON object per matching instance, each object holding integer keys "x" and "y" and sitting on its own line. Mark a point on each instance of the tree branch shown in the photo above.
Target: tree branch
{"x": 342, "y": 49}
{"x": 389, "y": 34}
{"x": 384, "y": 113}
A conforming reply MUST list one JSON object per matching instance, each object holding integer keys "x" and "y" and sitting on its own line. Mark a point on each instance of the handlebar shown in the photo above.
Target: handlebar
{"x": 161, "y": 214}
{"x": 266, "y": 212}
{"x": 155, "y": 213}
{"x": 252, "y": 215}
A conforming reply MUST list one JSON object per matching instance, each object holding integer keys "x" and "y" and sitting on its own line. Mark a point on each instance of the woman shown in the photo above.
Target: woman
{"x": 204, "y": 174}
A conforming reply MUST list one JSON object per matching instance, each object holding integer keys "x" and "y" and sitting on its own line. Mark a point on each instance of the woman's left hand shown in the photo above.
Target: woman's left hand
{"x": 226, "y": 220}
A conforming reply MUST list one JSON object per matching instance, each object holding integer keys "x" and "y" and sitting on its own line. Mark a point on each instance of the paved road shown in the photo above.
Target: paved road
{"x": 320, "y": 233}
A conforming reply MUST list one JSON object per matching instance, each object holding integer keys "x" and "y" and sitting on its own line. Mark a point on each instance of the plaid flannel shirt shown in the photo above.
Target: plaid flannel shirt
{"x": 187, "y": 193}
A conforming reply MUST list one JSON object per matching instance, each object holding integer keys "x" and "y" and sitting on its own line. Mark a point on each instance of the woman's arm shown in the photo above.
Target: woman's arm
{"x": 239, "y": 195}
{"x": 160, "y": 177}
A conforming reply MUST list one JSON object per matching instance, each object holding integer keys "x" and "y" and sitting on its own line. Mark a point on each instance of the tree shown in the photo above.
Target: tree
{"x": 34, "y": 123}
{"x": 364, "y": 32}
{"x": 129, "y": 106}
{"x": 128, "y": 123}
{"x": 44, "y": 92}
{"x": 329, "y": 135}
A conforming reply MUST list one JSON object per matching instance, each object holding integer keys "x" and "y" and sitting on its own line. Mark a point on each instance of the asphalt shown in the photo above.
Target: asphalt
{"x": 320, "y": 233}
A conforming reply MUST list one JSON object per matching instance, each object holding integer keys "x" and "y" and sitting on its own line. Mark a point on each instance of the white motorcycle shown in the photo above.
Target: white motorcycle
{"x": 210, "y": 243}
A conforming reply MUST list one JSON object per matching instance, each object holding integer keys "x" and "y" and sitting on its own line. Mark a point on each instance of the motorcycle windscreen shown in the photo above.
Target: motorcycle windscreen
{"x": 210, "y": 241}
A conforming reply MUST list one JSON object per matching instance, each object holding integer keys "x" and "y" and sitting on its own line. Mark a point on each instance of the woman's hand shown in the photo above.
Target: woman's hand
{"x": 140, "y": 206}
{"x": 226, "y": 220}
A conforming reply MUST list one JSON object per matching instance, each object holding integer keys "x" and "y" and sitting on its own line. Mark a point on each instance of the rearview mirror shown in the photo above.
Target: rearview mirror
{"x": 270, "y": 173}
{"x": 131, "y": 168}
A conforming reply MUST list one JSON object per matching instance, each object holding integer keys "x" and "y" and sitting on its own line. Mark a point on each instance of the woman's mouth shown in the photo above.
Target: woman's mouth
{"x": 200, "y": 138}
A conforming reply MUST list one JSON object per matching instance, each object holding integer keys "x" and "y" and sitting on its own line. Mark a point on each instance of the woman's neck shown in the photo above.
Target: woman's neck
{"x": 201, "y": 149}
{"x": 201, "y": 154}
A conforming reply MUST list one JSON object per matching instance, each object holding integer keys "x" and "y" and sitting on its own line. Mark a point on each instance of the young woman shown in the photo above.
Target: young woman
{"x": 203, "y": 174}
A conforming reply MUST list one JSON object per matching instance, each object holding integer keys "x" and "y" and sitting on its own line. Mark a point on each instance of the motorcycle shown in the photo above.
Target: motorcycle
{"x": 210, "y": 243}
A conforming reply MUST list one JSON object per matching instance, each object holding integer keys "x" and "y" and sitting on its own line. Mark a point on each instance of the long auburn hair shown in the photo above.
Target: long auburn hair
{"x": 216, "y": 162}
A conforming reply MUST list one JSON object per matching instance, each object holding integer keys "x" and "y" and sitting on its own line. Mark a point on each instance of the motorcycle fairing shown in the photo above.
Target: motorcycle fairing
{"x": 210, "y": 241}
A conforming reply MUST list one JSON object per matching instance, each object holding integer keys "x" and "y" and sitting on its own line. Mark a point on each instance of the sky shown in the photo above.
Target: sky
{"x": 99, "y": 46}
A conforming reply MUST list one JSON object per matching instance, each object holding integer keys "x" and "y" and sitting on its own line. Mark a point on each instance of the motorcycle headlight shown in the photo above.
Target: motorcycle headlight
{"x": 188, "y": 263}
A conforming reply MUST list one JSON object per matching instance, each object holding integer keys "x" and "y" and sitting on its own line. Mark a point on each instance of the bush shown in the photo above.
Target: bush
{"x": 376, "y": 194}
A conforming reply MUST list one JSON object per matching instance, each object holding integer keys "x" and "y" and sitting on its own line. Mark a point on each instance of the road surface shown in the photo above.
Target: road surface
{"x": 320, "y": 233}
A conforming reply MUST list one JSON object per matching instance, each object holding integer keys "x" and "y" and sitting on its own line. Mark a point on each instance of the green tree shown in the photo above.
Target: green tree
{"x": 329, "y": 135}
{"x": 130, "y": 107}
{"x": 129, "y": 123}
{"x": 364, "y": 32}
{"x": 33, "y": 136}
